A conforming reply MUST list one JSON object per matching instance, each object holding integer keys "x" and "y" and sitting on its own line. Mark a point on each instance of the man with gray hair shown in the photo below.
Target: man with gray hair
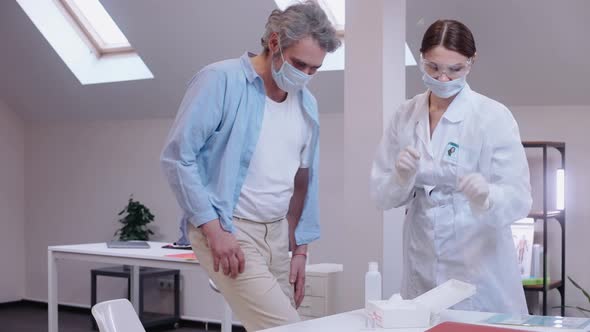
{"x": 242, "y": 160}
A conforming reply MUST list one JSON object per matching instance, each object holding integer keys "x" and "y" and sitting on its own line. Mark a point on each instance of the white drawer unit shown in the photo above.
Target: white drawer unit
{"x": 320, "y": 289}
{"x": 315, "y": 285}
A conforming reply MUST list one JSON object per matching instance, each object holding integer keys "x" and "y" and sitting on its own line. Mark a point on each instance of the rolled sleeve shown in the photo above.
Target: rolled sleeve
{"x": 199, "y": 115}
{"x": 308, "y": 228}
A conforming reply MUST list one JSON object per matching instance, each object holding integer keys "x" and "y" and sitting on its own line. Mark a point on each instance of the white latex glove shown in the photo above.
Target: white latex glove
{"x": 407, "y": 164}
{"x": 477, "y": 190}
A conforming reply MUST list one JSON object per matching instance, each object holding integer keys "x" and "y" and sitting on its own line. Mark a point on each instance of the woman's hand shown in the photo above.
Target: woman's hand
{"x": 477, "y": 190}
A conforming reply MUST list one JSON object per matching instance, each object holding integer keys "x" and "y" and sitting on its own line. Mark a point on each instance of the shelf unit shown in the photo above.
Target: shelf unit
{"x": 545, "y": 215}
{"x": 148, "y": 319}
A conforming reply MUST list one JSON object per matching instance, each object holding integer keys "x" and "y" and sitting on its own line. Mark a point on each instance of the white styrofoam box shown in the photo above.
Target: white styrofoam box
{"x": 446, "y": 295}
{"x": 399, "y": 314}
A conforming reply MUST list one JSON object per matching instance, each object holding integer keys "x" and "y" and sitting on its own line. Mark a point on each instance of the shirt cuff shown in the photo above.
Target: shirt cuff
{"x": 199, "y": 219}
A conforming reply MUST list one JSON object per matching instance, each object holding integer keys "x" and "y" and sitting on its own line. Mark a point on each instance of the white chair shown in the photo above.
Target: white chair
{"x": 226, "y": 322}
{"x": 116, "y": 316}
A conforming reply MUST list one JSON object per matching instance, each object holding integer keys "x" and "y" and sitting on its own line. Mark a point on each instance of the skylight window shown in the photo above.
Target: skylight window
{"x": 98, "y": 26}
{"x": 335, "y": 10}
{"x": 87, "y": 39}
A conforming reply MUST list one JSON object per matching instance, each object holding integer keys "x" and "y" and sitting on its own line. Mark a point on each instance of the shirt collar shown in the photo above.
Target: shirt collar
{"x": 251, "y": 74}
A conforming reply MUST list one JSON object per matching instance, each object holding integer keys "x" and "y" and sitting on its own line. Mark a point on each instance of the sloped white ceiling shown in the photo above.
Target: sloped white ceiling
{"x": 531, "y": 52}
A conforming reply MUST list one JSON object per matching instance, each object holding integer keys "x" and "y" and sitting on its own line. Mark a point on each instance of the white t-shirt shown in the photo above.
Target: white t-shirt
{"x": 282, "y": 148}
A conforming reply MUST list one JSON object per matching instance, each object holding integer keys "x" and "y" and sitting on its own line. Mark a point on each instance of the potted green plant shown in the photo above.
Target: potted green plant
{"x": 584, "y": 311}
{"x": 137, "y": 217}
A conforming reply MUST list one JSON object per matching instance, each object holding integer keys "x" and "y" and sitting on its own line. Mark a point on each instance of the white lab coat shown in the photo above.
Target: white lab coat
{"x": 443, "y": 238}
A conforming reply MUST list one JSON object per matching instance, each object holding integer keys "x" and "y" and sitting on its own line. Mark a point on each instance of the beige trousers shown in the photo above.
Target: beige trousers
{"x": 261, "y": 296}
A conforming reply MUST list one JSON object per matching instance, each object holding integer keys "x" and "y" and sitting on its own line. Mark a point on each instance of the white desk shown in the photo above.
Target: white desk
{"x": 155, "y": 256}
{"x": 354, "y": 321}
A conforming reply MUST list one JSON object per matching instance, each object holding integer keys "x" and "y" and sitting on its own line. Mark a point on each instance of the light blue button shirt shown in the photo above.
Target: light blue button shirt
{"x": 211, "y": 142}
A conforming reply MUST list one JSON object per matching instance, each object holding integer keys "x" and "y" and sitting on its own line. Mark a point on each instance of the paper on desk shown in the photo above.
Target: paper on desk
{"x": 545, "y": 321}
{"x": 188, "y": 256}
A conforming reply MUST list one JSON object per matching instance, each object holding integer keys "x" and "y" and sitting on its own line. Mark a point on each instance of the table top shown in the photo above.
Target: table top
{"x": 354, "y": 321}
{"x": 155, "y": 252}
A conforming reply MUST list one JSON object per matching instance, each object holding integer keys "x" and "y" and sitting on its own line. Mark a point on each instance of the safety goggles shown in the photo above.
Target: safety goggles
{"x": 436, "y": 70}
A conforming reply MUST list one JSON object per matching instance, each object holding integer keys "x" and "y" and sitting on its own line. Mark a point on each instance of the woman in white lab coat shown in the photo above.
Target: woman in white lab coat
{"x": 454, "y": 158}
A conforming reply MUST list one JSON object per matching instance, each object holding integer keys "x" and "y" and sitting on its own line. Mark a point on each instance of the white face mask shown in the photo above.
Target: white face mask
{"x": 289, "y": 78}
{"x": 444, "y": 89}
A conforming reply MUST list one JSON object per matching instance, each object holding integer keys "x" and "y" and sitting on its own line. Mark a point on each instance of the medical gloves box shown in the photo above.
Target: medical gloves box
{"x": 419, "y": 312}
{"x": 399, "y": 314}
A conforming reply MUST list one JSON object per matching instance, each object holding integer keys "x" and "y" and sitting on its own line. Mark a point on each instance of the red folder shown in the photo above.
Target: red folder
{"x": 463, "y": 327}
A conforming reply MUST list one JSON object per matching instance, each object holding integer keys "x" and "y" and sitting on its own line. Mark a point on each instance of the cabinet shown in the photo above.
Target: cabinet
{"x": 545, "y": 215}
{"x": 320, "y": 290}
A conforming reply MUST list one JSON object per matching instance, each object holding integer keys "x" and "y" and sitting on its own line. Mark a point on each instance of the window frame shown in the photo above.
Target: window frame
{"x": 90, "y": 32}
{"x": 340, "y": 28}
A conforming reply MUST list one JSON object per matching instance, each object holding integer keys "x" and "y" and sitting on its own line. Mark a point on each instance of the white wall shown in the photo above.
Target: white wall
{"x": 570, "y": 125}
{"x": 12, "y": 200}
{"x": 80, "y": 175}
{"x": 374, "y": 84}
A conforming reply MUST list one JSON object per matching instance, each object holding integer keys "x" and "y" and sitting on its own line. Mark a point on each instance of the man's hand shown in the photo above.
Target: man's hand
{"x": 224, "y": 248}
{"x": 297, "y": 275}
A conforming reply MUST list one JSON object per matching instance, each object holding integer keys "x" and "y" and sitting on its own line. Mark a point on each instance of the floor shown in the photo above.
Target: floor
{"x": 32, "y": 317}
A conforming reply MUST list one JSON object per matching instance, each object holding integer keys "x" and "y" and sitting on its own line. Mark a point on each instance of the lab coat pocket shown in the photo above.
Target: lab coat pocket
{"x": 449, "y": 164}
{"x": 468, "y": 159}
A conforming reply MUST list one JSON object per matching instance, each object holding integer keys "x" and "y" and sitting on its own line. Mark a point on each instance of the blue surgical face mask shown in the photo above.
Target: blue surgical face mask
{"x": 444, "y": 89}
{"x": 289, "y": 78}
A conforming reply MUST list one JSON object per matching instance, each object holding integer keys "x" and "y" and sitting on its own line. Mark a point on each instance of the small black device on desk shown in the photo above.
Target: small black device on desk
{"x": 178, "y": 246}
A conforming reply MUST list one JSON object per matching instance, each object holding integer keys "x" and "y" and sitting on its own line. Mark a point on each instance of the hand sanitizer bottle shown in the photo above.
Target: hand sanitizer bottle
{"x": 372, "y": 283}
